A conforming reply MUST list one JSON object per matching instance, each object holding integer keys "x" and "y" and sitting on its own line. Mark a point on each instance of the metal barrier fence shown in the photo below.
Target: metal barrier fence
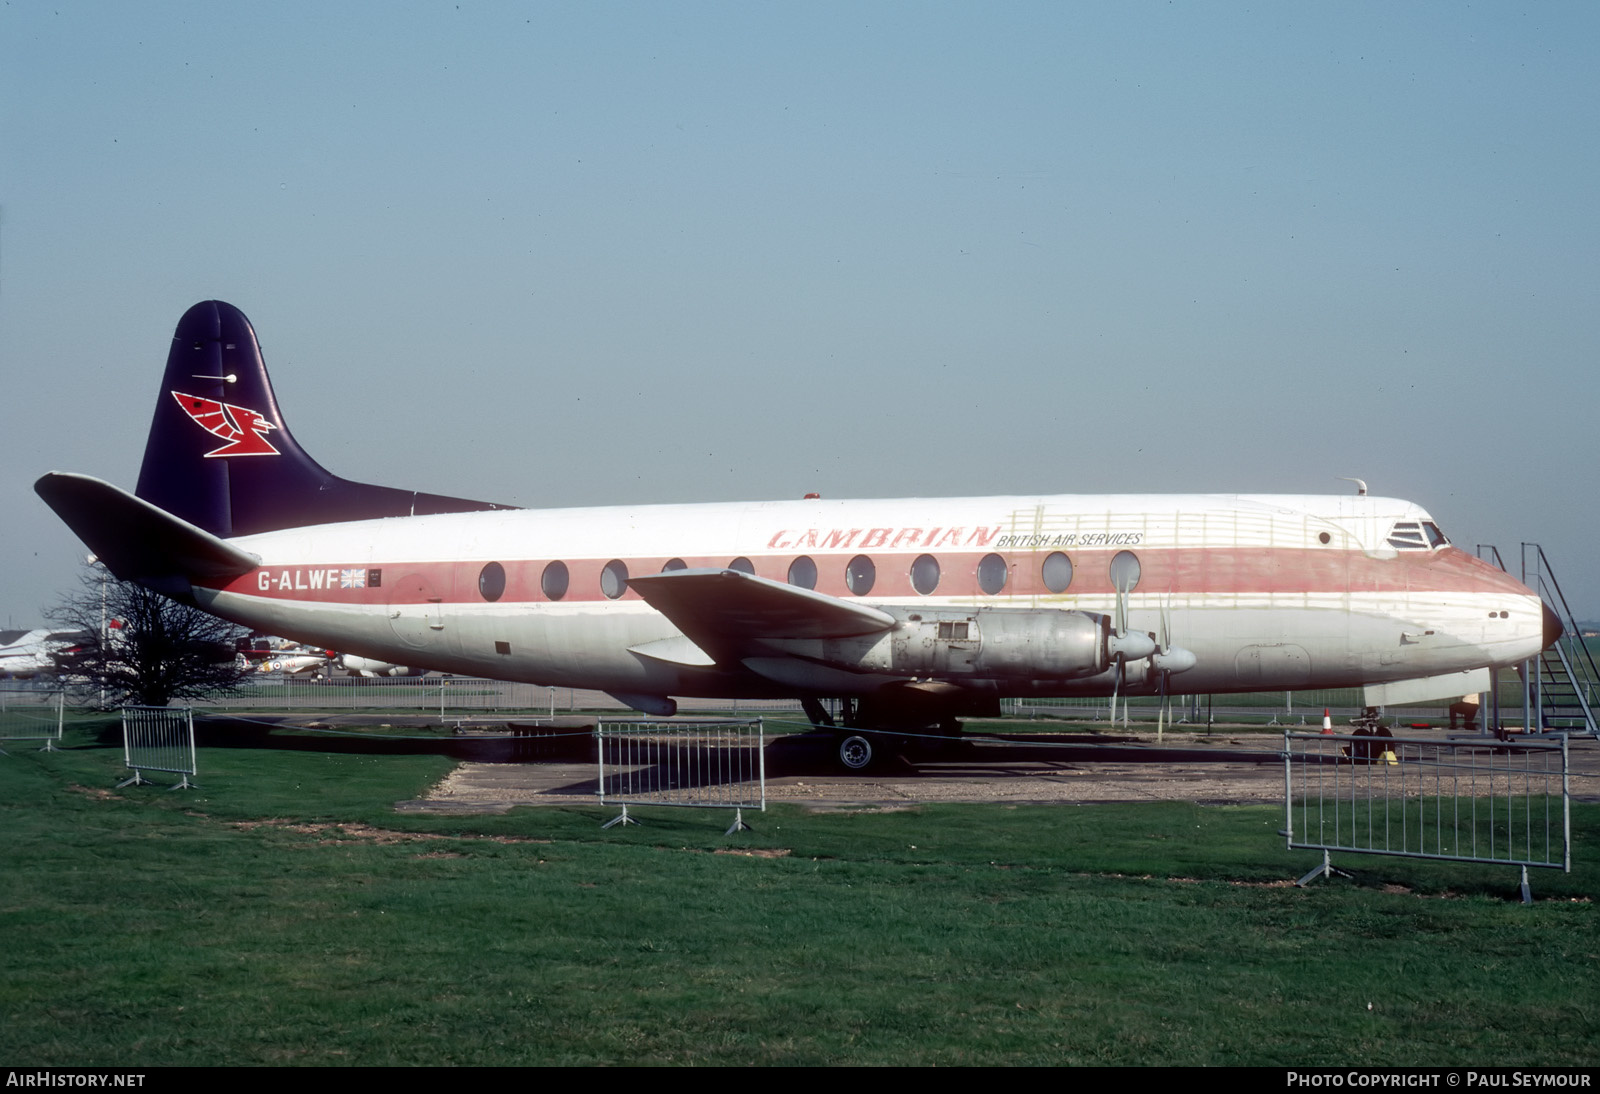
{"x": 30, "y": 714}
{"x": 158, "y": 739}
{"x": 1281, "y": 708}
{"x": 453, "y": 697}
{"x": 1463, "y": 801}
{"x": 707, "y": 765}
{"x": 444, "y": 695}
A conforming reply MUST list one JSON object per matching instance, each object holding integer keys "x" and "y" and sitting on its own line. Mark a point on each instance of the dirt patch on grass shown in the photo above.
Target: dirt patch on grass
{"x": 845, "y": 807}
{"x": 96, "y": 793}
{"x": 348, "y": 832}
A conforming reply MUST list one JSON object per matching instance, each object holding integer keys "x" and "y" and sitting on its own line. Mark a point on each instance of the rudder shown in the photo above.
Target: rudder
{"x": 220, "y": 456}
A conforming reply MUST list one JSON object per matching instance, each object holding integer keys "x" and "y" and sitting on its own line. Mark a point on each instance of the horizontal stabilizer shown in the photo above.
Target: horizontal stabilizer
{"x": 136, "y": 540}
{"x": 725, "y": 611}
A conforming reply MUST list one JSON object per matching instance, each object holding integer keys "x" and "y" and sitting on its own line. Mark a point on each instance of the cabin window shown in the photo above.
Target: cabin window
{"x": 1125, "y": 571}
{"x": 925, "y": 574}
{"x": 992, "y": 574}
{"x": 614, "y": 579}
{"x": 554, "y": 580}
{"x": 1056, "y": 572}
{"x": 743, "y": 565}
{"x": 803, "y": 573}
{"x": 860, "y": 575}
{"x": 492, "y": 581}
{"x": 674, "y": 564}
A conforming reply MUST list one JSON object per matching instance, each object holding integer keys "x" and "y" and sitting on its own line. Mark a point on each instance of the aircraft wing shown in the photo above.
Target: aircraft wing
{"x": 136, "y": 540}
{"x": 728, "y": 613}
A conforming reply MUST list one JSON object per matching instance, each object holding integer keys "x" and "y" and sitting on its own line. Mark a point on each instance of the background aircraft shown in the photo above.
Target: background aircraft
{"x": 284, "y": 657}
{"x": 25, "y": 654}
{"x": 368, "y": 666}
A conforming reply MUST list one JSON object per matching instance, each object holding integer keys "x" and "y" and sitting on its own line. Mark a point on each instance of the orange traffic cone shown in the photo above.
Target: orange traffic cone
{"x": 1327, "y": 723}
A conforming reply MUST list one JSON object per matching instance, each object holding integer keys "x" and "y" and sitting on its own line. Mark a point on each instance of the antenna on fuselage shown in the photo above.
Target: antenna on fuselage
{"x": 1361, "y": 484}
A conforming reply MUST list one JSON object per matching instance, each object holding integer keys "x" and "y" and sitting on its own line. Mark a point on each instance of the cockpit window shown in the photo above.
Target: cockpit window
{"x": 1415, "y": 535}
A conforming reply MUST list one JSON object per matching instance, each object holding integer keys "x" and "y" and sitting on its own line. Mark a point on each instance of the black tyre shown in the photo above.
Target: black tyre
{"x": 855, "y": 752}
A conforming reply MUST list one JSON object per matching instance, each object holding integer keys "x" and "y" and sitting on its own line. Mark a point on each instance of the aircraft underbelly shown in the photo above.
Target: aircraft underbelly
{"x": 568, "y": 648}
{"x": 1244, "y": 643}
{"x": 1240, "y": 643}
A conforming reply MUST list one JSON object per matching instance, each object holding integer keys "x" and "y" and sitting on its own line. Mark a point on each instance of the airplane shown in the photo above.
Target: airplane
{"x": 370, "y": 667}
{"x": 25, "y": 654}
{"x": 910, "y": 612}
{"x": 279, "y": 657}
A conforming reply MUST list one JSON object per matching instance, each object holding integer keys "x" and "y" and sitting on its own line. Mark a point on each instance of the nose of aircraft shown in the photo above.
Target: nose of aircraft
{"x": 1552, "y": 627}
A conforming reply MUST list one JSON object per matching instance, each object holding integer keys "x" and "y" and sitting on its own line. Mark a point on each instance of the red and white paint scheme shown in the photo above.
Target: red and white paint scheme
{"x": 1264, "y": 592}
{"x": 915, "y": 610}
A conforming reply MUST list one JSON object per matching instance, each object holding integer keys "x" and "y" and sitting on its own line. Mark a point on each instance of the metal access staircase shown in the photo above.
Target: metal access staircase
{"x": 1564, "y": 684}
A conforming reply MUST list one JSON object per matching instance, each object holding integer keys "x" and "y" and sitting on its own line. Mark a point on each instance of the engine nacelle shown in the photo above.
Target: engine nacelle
{"x": 983, "y": 643}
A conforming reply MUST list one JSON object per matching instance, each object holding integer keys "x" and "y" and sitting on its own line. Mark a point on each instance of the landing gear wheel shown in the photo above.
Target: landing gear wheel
{"x": 1368, "y": 720}
{"x": 855, "y": 753}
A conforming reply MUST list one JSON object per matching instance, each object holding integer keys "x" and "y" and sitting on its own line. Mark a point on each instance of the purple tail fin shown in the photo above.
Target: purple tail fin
{"x": 221, "y": 457}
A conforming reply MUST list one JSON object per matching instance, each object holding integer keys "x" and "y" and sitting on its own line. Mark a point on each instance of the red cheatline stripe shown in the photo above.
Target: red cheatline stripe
{"x": 1164, "y": 571}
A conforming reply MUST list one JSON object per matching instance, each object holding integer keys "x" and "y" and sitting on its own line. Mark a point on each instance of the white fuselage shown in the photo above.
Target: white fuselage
{"x": 1268, "y": 592}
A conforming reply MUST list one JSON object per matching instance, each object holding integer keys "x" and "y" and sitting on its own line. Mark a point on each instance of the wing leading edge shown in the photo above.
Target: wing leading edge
{"x": 730, "y": 615}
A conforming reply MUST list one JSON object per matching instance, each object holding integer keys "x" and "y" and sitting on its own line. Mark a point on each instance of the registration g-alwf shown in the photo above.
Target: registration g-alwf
{"x": 912, "y": 611}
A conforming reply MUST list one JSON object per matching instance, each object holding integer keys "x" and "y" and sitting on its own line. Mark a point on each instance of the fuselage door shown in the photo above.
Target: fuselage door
{"x": 1281, "y": 665}
{"x": 416, "y": 613}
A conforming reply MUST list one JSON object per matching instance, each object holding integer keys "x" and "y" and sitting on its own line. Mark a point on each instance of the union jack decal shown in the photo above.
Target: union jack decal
{"x": 243, "y": 429}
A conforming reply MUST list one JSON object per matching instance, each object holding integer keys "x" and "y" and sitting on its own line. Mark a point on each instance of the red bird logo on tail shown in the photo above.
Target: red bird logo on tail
{"x": 244, "y": 429}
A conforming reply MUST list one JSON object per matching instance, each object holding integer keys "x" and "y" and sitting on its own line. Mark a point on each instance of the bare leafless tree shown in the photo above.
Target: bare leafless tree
{"x": 141, "y": 647}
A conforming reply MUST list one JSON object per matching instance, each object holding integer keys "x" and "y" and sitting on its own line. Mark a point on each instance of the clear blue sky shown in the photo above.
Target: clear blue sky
{"x": 617, "y": 253}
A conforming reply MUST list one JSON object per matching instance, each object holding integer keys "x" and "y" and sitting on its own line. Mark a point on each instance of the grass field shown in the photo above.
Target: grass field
{"x": 284, "y": 913}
